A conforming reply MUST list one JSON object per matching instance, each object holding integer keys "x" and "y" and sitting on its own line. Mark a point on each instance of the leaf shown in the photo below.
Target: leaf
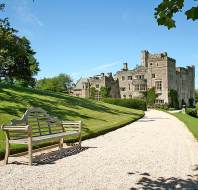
{"x": 166, "y": 10}
{"x": 192, "y": 13}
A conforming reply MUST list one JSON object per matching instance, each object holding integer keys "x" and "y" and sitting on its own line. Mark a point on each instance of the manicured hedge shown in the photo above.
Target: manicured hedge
{"x": 192, "y": 112}
{"x": 129, "y": 103}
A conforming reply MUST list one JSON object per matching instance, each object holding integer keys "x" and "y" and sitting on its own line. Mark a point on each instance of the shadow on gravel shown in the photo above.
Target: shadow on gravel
{"x": 52, "y": 156}
{"x": 172, "y": 183}
{"x": 149, "y": 119}
{"x": 146, "y": 120}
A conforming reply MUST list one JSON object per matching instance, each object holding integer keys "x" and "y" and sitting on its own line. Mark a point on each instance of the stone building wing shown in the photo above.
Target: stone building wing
{"x": 80, "y": 83}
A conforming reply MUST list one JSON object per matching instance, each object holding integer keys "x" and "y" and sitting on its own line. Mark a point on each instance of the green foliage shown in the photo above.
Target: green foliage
{"x": 161, "y": 106}
{"x": 2, "y": 6}
{"x": 192, "y": 13}
{"x": 192, "y": 112}
{"x": 166, "y": 10}
{"x": 60, "y": 83}
{"x": 197, "y": 106}
{"x": 97, "y": 117}
{"x": 173, "y": 96}
{"x": 129, "y": 103}
{"x": 93, "y": 92}
{"x": 105, "y": 92}
{"x": 150, "y": 96}
{"x": 17, "y": 61}
{"x": 196, "y": 95}
{"x": 191, "y": 102}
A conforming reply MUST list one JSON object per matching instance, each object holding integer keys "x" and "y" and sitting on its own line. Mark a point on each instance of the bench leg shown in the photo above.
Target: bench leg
{"x": 7, "y": 151}
{"x": 80, "y": 135}
{"x": 80, "y": 139}
{"x": 30, "y": 154}
{"x": 61, "y": 143}
{"x": 30, "y": 150}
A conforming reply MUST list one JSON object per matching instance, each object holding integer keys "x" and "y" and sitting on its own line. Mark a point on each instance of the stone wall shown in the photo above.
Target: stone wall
{"x": 185, "y": 83}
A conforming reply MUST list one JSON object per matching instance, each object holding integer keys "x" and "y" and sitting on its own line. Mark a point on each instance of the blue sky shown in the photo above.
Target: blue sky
{"x": 87, "y": 37}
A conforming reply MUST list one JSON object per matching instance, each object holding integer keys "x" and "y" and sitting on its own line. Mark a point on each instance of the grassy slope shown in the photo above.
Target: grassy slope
{"x": 191, "y": 122}
{"x": 97, "y": 118}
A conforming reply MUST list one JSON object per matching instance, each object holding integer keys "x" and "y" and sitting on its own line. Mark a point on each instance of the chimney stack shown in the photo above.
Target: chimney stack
{"x": 125, "y": 66}
{"x": 102, "y": 74}
{"x": 110, "y": 74}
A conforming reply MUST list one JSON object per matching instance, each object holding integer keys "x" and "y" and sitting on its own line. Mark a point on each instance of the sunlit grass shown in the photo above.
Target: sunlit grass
{"x": 97, "y": 117}
{"x": 191, "y": 122}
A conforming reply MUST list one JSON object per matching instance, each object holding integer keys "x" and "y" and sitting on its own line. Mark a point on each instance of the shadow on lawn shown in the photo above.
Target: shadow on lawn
{"x": 27, "y": 99}
{"x": 148, "y": 183}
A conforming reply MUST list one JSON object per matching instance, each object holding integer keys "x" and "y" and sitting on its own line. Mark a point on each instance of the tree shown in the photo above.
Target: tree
{"x": 196, "y": 94}
{"x": 166, "y": 10}
{"x": 17, "y": 62}
{"x": 150, "y": 96}
{"x": 191, "y": 102}
{"x": 60, "y": 83}
{"x": 93, "y": 92}
{"x": 105, "y": 92}
{"x": 173, "y": 96}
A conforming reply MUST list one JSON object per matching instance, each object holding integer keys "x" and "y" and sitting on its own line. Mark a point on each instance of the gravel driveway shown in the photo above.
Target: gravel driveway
{"x": 156, "y": 152}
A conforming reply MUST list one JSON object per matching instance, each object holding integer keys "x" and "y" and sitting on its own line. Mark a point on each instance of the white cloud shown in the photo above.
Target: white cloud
{"x": 95, "y": 70}
{"x": 25, "y": 14}
{"x": 105, "y": 66}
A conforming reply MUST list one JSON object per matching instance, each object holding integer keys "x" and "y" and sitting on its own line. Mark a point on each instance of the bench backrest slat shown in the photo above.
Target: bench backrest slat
{"x": 40, "y": 122}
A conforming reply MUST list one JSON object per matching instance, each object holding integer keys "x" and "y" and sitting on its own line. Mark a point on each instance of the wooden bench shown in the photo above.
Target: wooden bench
{"x": 37, "y": 126}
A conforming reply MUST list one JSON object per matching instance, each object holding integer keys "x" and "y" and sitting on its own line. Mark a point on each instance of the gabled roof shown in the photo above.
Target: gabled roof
{"x": 80, "y": 82}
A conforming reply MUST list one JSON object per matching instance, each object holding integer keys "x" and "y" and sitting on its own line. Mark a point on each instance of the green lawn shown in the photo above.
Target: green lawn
{"x": 191, "y": 122}
{"x": 97, "y": 118}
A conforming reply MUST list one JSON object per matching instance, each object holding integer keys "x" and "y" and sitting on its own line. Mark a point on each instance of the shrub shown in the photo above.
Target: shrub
{"x": 192, "y": 112}
{"x": 173, "y": 96}
{"x": 150, "y": 96}
{"x": 105, "y": 92}
{"x": 191, "y": 102}
{"x": 197, "y": 106}
{"x": 161, "y": 106}
{"x": 129, "y": 103}
{"x": 93, "y": 92}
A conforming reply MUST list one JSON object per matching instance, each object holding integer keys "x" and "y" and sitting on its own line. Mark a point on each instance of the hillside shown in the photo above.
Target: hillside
{"x": 97, "y": 117}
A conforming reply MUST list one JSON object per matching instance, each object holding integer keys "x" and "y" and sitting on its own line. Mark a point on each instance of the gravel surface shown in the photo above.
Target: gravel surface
{"x": 156, "y": 152}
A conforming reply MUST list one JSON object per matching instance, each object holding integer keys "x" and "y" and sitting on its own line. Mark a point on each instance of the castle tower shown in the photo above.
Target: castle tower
{"x": 144, "y": 58}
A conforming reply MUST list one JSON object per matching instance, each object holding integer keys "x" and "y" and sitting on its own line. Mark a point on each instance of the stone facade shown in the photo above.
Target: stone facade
{"x": 159, "y": 71}
{"x": 155, "y": 70}
{"x": 83, "y": 86}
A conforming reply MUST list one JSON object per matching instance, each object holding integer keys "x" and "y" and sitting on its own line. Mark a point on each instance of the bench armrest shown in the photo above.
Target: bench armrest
{"x": 75, "y": 125}
{"x": 71, "y": 122}
{"x": 25, "y": 128}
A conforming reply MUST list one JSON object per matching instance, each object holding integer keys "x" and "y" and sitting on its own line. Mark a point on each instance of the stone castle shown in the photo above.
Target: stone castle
{"x": 155, "y": 70}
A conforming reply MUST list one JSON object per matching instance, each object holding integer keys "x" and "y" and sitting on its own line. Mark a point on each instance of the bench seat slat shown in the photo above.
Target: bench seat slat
{"x": 45, "y": 137}
{"x": 71, "y": 126}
